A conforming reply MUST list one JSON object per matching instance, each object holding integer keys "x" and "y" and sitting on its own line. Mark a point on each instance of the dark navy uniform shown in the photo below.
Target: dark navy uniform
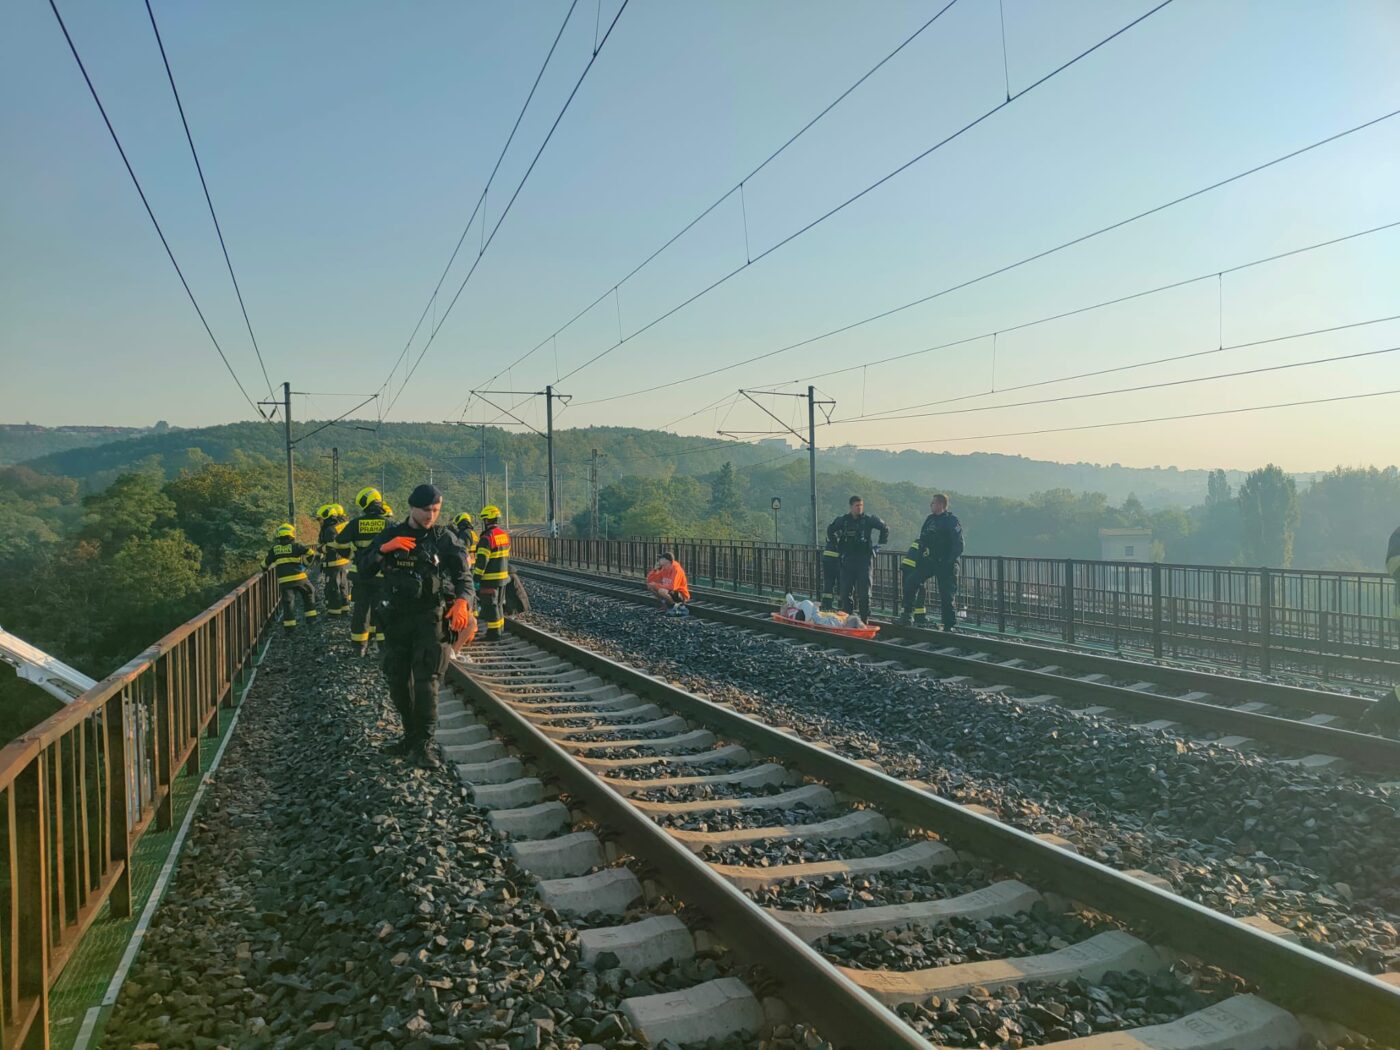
{"x": 335, "y": 564}
{"x": 288, "y": 558}
{"x": 359, "y": 533}
{"x": 831, "y": 568}
{"x": 417, "y": 586}
{"x": 855, "y": 542}
{"x": 934, "y": 556}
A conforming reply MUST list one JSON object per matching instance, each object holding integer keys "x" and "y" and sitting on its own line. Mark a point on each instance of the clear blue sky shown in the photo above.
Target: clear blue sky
{"x": 346, "y": 142}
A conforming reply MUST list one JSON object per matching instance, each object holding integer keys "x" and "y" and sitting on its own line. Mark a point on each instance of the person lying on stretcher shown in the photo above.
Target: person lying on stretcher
{"x": 808, "y": 611}
{"x": 667, "y": 581}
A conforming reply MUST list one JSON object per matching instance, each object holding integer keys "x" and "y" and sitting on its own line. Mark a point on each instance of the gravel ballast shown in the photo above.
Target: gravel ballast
{"x": 1244, "y": 834}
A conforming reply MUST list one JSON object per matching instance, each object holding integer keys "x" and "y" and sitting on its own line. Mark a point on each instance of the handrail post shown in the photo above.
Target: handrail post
{"x": 1001, "y": 594}
{"x": 1068, "y": 600}
{"x": 1266, "y": 618}
{"x": 115, "y": 717}
{"x": 28, "y": 806}
{"x": 1157, "y": 610}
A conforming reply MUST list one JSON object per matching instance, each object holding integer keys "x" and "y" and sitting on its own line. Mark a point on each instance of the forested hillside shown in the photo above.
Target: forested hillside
{"x": 22, "y": 441}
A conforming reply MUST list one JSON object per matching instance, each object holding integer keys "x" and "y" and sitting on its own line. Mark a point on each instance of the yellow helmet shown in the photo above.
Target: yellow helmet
{"x": 490, "y": 512}
{"x": 387, "y": 509}
{"x": 463, "y": 518}
{"x": 336, "y": 508}
{"x": 367, "y": 496}
{"x": 286, "y": 529}
{"x": 323, "y": 511}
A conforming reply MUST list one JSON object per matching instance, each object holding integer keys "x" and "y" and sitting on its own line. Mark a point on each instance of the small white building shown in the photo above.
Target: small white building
{"x": 1125, "y": 544}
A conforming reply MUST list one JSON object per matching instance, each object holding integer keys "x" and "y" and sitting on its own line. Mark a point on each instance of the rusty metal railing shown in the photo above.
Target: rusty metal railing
{"x": 79, "y": 789}
{"x": 1317, "y": 622}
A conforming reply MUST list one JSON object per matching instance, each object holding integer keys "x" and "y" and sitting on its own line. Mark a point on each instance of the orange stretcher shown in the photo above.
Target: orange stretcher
{"x": 850, "y": 632}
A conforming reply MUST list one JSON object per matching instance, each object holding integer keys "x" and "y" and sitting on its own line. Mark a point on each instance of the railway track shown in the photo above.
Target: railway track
{"x": 1310, "y": 727}
{"x": 680, "y": 782}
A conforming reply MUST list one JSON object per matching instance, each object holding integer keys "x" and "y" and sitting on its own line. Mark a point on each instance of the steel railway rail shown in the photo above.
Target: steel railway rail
{"x": 1311, "y": 724}
{"x": 587, "y": 724}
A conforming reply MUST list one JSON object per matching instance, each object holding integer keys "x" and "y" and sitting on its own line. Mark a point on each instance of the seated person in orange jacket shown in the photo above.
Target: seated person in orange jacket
{"x": 667, "y": 581}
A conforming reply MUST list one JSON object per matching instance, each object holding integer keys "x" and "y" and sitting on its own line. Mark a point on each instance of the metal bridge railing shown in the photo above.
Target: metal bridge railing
{"x": 1315, "y": 622}
{"x": 79, "y": 789}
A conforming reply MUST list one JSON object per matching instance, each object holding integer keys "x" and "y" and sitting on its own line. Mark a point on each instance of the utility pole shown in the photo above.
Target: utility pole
{"x": 809, "y": 439}
{"x": 287, "y": 429}
{"x": 550, "y": 397}
{"x": 481, "y": 460}
{"x": 812, "y": 457}
{"x": 593, "y": 496}
{"x": 506, "y": 464}
{"x": 335, "y": 474}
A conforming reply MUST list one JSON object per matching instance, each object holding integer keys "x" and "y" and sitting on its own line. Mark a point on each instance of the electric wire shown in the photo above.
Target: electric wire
{"x": 150, "y": 213}
{"x": 481, "y": 200}
{"x": 1129, "y": 389}
{"x": 509, "y": 204}
{"x": 998, "y": 271}
{"x": 337, "y": 419}
{"x": 1116, "y": 301}
{"x": 886, "y": 413}
{"x": 208, "y": 199}
{"x": 736, "y": 188}
{"x": 922, "y": 155}
{"x": 1154, "y": 419}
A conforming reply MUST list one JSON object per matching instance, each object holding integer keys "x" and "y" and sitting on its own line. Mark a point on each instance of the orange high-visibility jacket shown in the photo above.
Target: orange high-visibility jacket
{"x": 671, "y": 578}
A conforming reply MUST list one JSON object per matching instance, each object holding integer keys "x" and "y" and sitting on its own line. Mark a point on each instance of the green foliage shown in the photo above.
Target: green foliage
{"x": 1268, "y": 502}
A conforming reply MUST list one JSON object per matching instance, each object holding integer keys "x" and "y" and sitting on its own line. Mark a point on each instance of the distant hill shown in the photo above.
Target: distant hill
{"x": 22, "y": 441}
{"x": 993, "y": 474}
{"x": 95, "y": 455}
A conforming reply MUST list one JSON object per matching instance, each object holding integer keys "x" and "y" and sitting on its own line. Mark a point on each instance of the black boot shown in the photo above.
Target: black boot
{"x": 399, "y": 747}
{"x": 425, "y": 755}
{"x": 903, "y": 620}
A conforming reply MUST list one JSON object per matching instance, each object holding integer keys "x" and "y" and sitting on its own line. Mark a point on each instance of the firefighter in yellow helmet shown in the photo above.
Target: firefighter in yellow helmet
{"x": 335, "y": 558}
{"x": 491, "y": 571}
{"x": 358, "y": 534}
{"x": 465, "y": 528}
{"x": 288, "y": 559}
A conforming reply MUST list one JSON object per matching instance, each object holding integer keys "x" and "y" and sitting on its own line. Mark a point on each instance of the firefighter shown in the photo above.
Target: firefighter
{"x": 422, "y": 568}
{"x": 465, "y": 528}
{"x": 1384, "y": 717}
{"x": 854, "y": 535}
{"x": 831, "y": 568}
{"x": 933, "y": 556}
{"x": 358, "y": 534}
{"x": 288, "y": 558}
{"x": 335, "y": 558}
{"x": 492, "y": 571}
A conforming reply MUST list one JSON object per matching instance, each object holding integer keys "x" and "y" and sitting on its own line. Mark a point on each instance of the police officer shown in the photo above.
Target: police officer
{"x": 288, "y": 558}
{"x": 831, "y": 568}
{"x": 335, "y": 558}
{"x": 1384, "y": 717}
{"x": 854, "y": 536}
{"x": 359, "y": 533}
{"x": 492, "y": 571}
{"x": 933, "y": 556}
{"x": 425, "y": 585}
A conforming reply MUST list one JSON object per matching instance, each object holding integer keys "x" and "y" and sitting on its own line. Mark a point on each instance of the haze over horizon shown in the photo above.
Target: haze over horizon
{"x": 345, "y": 146}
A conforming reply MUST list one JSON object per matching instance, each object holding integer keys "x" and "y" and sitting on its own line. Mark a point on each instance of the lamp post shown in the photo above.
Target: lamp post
{"x": 777, "y": 505}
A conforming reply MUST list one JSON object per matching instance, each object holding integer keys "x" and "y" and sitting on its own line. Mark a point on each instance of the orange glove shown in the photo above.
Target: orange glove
{"x": 458, "y": 615}
{"x": 399, "y": 543}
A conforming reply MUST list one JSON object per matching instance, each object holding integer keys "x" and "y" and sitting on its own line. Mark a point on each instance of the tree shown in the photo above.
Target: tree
{"x": 1268, "y": 505}
{"x": 1217, "y": 488}
{"x": 724, "y": 491}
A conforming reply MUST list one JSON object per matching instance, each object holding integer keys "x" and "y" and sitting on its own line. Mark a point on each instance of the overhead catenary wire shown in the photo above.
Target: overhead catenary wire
{"x": 735, "y": 188}
{"x": 1162, "y": 384}
{"x": 509, "y": 204}
{"x": 337, "y": 419}
{"x": 1153, "y": 419}
{"x": 1115, "y": 301}
{"x": 481, "y": 199}
{"x": 208, "y": 199}
{"x": 1006, "y": 268}
{"x": 1113, "y": 369}
{"x": 837, "y": 209}
{"x": 116, "y": 141}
